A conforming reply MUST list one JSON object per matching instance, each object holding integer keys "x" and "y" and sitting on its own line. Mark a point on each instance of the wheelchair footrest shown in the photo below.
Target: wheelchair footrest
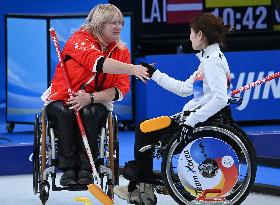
{"x": 157, "y": 178}
{"x": 161, "y": 189}
{"x": 77, "y": 187}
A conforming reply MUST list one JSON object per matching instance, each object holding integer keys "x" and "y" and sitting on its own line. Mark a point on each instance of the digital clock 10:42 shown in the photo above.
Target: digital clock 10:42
{"x": 246, "y": 18}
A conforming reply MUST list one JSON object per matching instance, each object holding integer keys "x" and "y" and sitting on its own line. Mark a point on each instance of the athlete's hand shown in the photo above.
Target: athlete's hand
{"x": 140, "y": 72}
{"x": 186, "y": 132}
{"x": 79, "y": 100}
{"x": 150, "y": 67}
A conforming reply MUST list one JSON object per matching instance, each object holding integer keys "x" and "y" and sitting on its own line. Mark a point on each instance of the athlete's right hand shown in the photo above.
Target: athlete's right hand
{"x": 140, "y": 72}
{"x": 186, "y": 132}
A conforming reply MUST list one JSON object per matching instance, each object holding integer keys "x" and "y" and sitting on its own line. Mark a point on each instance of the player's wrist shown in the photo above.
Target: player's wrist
{"x": 92, "y": 98}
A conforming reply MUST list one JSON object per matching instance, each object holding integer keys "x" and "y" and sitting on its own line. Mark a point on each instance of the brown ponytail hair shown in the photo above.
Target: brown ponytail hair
{"x": 211, "y": 26}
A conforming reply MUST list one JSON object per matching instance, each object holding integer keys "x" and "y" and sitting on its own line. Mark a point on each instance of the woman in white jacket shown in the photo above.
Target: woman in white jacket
{"x": 209, "y": 85}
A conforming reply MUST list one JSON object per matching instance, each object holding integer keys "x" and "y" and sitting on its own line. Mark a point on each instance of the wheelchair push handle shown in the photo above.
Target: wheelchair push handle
{"x": 235, "y": 100}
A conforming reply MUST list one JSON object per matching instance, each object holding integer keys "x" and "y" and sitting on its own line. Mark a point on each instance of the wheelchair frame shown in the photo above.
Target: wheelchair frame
{"x": 45, "y": 157}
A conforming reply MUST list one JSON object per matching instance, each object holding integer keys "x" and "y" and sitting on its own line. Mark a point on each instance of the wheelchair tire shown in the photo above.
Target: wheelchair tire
{"x": 242, "y": 132}
{"x": 241, "y": 157}
{"x": 36, "y": 152}
{"x": 116, "y": 148}
{"x": 44, "y": 191}
{"x": 107, "y": 157}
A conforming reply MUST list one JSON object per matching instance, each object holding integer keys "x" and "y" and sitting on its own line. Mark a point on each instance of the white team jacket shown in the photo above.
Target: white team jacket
{"x": 209, "y": 85}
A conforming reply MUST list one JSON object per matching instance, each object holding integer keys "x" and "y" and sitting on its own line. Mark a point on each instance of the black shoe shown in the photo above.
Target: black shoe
{"x": 68, "y": 178}
{"x": 84, "y": 177}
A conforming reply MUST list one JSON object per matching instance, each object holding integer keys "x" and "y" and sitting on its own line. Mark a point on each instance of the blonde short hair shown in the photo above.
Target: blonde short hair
{"x": 98, "y": 16}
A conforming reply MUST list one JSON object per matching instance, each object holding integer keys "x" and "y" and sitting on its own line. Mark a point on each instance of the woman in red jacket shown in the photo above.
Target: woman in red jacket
{"x": 90, "y": 53}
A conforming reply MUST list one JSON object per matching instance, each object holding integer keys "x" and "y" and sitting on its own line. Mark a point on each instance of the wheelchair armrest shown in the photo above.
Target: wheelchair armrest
{"x": 155, "y": 124}
{"x": 147, "y": 147}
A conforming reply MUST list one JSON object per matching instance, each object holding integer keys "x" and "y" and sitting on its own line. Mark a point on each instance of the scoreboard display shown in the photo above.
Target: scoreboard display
{"x": 171, "y": 17}
{"x": 245, "y": 15}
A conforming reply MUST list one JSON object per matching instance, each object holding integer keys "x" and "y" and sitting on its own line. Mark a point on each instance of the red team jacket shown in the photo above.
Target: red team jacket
{"x": 84, "y": 51}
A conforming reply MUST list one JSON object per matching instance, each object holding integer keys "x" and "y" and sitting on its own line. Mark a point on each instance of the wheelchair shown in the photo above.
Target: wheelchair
{"x": 216, "y": 156}
{"x": 45, "y": 156}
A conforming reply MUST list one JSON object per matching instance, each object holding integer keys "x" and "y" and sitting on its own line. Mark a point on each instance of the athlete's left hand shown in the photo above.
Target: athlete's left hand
{"x": 79, "y": 100}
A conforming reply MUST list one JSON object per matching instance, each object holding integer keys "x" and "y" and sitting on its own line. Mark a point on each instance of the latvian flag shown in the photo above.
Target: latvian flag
{"x": 182, "y": 11}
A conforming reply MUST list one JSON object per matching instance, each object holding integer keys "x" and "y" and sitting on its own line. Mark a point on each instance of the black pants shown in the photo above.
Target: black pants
{"x": 71, "y": 149}
{"x": 145, "y": 159}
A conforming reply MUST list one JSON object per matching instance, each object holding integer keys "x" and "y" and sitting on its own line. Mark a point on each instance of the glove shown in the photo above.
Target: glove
{"x": 186, "y": 132}
{"x": 151, "y": 69}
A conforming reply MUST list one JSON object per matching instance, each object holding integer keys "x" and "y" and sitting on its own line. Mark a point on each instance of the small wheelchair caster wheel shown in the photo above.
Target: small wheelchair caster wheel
{"x": 10, "y": 127}
{"x": 44, "y": 192}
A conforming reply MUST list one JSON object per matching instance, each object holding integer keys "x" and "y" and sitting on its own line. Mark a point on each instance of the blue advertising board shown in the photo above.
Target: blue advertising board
{"x": 27, "y": 63}
{"x": 26, "y": 68}
{"x": 259, "y": 103}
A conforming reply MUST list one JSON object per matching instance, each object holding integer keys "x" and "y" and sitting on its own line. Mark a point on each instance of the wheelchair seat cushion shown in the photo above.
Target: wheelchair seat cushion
{"x": 155, "y": 124}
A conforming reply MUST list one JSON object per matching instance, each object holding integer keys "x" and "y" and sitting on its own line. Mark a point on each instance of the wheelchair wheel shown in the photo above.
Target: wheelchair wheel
{"x": 44, "y": 191}
{"x": 36, "y": 159}
{"x": 112, "y": 156}
{"x": 40, "y": 185}
{"x": 215, "y": 157}
{"x": 116, "y": 149}
{"x": 10, "y": 127}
